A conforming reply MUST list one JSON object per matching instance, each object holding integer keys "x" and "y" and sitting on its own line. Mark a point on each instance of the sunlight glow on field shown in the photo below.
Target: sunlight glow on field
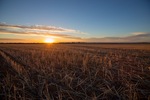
{"x": 49, "y": 40}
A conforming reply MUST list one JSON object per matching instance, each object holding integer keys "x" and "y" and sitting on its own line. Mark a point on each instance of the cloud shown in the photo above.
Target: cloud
{"x": 143, "y": 37}
{"x": 139, "y": 33}
{"x": 40, "y": 27}
{"x": 39, "y": 30}
{"x": 10, "y": 40}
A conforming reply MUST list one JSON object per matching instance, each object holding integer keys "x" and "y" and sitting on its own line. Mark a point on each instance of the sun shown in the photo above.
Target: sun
{"x": 49, "y": 40}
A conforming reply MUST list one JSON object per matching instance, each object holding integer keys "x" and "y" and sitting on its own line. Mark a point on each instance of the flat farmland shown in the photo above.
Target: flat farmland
{"x": 75, "y": 71}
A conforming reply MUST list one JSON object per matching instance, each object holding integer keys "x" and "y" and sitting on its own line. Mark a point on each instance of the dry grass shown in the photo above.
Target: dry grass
{"x": 74, "y": 71}
{"x": 119, "y": 46}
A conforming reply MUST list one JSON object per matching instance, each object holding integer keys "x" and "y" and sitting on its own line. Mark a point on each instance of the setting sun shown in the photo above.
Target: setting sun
{"x": 49, "y": 40}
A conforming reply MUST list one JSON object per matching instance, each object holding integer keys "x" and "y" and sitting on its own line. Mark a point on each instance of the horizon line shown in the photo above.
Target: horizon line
{"x": 75, "y": 43}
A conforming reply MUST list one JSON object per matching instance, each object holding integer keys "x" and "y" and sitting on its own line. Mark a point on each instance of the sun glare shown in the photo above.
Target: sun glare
{"x": 49, "y": 40}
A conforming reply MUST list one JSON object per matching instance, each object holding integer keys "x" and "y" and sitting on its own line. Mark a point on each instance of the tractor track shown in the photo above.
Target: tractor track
{"x": 17, "y": 71}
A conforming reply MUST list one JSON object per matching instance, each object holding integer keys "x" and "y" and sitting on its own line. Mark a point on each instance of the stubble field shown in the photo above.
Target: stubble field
{"x": 75, "y": 71}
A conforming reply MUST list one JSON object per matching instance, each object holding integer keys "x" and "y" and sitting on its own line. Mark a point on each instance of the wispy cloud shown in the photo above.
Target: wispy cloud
{"x": 38, "y": 27}
{"x": 139, "y": 33}
{"x": 140, "y": 37}
{"x": 9, "y": 40}
{"x": 39, "y": 30}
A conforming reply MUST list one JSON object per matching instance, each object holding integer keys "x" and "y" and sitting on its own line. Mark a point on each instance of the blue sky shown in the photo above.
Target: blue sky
{"x": 95, "y": 18}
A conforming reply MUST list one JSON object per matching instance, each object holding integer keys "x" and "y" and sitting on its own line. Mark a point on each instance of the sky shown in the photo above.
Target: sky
{"x": 75, "y": 20}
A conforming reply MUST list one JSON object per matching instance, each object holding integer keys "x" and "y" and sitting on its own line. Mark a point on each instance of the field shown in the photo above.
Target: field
{"x": 75, "y": 71}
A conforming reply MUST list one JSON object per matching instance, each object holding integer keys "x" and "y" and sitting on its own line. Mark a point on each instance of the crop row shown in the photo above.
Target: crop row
{"x": 62, "y": 71}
